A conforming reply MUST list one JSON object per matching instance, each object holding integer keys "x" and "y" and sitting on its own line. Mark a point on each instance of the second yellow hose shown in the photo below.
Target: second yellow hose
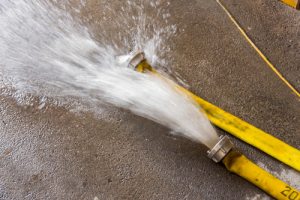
{"x": 237, "y": 163}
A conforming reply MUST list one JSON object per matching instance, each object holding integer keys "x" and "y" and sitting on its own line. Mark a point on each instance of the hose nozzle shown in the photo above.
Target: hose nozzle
{"x": 221, "y": 149}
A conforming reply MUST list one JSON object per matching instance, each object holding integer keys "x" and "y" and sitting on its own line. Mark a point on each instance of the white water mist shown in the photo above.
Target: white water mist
{"x": 46, "y": 53}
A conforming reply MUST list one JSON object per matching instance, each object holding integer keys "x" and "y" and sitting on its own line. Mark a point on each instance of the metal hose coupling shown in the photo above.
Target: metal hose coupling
{"x": 136, "y": 59}
{"x": 221, "y": 149}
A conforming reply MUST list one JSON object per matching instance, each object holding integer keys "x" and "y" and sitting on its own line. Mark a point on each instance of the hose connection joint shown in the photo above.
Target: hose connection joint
{"x": 221, "y": 149}
{"x": 136, "y": 59}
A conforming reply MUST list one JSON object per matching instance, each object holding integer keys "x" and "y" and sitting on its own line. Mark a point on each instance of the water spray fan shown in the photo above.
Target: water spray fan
{"x": 224, "y": 152}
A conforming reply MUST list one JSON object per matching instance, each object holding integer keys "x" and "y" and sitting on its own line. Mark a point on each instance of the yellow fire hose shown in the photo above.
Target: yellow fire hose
{"x": 234, "y": 161}
{"x": 237, "y": 163}
{"x": 292, "y": 3}
{"x": 241, "y": 129}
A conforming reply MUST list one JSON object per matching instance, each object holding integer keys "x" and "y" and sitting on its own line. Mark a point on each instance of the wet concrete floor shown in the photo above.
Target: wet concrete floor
{"x": 55, "y": 154}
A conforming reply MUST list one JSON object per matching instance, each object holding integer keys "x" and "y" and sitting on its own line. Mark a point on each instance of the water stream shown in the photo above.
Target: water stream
{"x": 48, "y": 53}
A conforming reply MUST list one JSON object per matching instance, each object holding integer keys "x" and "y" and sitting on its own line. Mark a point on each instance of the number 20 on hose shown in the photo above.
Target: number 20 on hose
{"x": 290, "y": 194}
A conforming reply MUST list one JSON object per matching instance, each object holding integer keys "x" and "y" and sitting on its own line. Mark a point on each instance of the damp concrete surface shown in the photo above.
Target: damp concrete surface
{"x": 52, "y": 153}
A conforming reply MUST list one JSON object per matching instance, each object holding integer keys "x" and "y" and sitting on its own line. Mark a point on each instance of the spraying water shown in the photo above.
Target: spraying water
{"x": 48, "y": 54}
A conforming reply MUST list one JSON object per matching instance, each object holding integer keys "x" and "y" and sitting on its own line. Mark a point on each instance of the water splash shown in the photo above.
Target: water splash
{"x": 46, "y": 53}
